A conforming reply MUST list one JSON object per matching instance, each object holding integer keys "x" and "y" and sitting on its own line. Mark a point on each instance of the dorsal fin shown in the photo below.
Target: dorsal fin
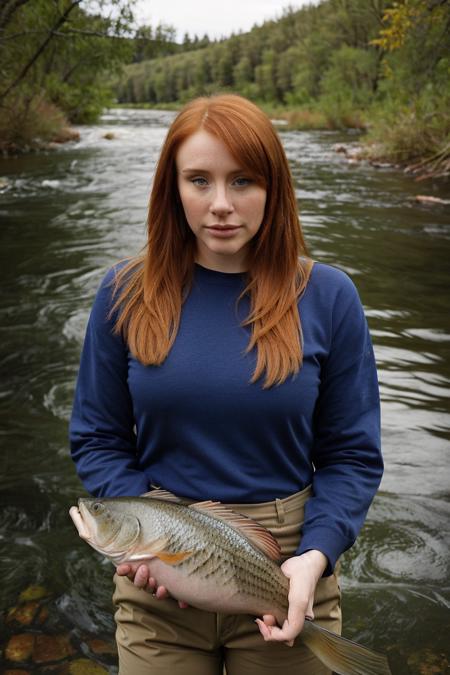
{"x": 164, "y": 495}
{"x": 258, "y": 535}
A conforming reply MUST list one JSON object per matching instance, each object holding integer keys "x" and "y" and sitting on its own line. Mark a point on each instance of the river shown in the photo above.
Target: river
{"x": 68, "y": 214}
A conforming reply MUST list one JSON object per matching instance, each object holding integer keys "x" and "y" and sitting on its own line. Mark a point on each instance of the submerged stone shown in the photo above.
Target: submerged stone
{"x": 20, "y": 647}
{"x": 33, "y": 592}
{"x": 51, "y": 648}
{"x": 100, "y": 647}
{"x": 86, "y": 667}
{"x": 54, "y": 669}
{"x": 42, "y": 616}
{"x": 427, "y": 662}
{"x": 23, "y": 614}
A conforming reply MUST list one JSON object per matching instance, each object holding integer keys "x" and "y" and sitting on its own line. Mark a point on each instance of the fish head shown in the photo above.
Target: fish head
{"x": 106, "y": 525}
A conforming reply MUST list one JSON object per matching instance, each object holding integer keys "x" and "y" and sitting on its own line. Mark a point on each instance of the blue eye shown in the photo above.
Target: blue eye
{"x": 200, "y": 181}
{"x": 242, "y": 182}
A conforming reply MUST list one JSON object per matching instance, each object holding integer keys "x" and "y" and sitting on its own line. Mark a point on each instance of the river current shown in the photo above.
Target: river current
{"x": 68, "y": 214}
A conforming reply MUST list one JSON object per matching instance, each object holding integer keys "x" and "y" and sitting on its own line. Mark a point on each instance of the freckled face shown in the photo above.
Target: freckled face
{"x": 224, "y": 207}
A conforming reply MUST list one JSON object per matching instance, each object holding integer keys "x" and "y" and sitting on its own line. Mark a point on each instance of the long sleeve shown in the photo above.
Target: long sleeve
{"x": 102, "y": 439}
{"x": 346, "y": 452}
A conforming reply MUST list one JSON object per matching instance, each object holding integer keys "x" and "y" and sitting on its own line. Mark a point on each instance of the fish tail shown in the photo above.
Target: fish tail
{"x": 343, "y": 656}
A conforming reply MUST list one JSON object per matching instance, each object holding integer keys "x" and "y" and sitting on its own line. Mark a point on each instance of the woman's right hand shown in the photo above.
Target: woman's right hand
{"x": 140, "y": 575}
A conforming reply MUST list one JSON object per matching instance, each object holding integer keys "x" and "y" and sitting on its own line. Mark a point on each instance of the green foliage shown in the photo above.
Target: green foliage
{"x": 27, "y": 121}
{"x": 57, "y": 55}
{"x": 148, "y": 42}
{"x": 280, "y": 62}
{"x": 411, "y": 116}
{"x": 347, "y": 85}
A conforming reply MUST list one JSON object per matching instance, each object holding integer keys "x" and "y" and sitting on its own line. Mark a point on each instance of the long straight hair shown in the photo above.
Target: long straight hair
{"x": 151, "y": 288}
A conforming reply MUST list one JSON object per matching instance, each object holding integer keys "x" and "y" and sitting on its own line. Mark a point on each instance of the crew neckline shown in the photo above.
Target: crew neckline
{"x": 215, "y": 276}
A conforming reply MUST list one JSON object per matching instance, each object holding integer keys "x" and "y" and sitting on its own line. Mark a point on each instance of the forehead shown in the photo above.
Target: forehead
{"x": 202, "y": 150}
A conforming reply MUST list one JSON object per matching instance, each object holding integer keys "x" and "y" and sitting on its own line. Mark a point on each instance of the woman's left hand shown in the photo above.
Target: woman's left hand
{"x": 303, "y": 572}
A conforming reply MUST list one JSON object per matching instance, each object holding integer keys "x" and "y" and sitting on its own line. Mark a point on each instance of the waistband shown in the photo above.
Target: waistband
{"x": 290, "y": 503}
{"x": 276, "y": 509}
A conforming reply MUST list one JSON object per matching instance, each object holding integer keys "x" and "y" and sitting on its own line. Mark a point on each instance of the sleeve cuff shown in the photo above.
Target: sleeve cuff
{"x": 325, "y": 541}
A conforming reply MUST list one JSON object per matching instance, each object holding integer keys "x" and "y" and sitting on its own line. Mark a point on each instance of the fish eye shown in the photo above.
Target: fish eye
{"x": 98, "y": 506}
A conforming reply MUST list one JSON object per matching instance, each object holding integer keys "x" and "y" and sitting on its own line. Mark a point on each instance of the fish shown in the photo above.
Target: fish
{"x": 213, "y": 559}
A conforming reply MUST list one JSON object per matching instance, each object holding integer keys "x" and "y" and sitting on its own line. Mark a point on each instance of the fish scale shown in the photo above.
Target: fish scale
{"x": 250, "y": 571}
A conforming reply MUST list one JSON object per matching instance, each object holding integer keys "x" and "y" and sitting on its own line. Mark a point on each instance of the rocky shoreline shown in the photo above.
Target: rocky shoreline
{"x": 356, "y": 153}
{"x": 64, "y": 135}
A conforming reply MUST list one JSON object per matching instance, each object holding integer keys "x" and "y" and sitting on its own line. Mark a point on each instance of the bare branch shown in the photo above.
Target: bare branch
{"x": 62, "y": 19}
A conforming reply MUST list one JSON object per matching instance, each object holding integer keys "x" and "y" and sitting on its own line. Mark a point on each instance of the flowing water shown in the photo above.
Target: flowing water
{"x": 69, "y": 214}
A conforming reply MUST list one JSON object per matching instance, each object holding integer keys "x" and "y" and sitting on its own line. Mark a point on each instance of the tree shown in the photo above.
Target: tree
{"x": 62, "y": 40}
{"x": 413, "y": 119}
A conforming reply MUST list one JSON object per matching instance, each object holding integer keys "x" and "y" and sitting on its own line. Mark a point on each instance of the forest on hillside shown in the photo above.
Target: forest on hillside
{"x": 377, "y": 65}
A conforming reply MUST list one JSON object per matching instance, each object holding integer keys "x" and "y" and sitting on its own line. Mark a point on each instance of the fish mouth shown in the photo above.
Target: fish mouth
{"x": 79, "y": 523}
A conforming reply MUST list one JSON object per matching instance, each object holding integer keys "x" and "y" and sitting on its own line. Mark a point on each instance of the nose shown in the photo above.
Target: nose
{"x": 221, "y": 203}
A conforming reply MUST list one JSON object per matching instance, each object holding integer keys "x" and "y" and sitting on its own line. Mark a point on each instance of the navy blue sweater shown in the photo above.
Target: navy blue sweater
{"x": 197, "y": 427}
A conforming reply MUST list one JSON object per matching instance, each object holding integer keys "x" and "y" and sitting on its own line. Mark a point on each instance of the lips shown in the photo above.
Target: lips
{"x": 221, "y": 228}
{"x": 223, "y": 231}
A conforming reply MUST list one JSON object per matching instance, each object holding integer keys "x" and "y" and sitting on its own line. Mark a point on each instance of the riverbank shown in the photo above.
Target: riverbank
{"x": 407, "y": 149}
{"x": 380, "y": 156}
{"x": 9, "y": 148}
{"x": 34, "y": 125}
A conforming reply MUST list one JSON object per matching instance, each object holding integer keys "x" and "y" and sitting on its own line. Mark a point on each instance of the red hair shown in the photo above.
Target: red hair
{"x": 152, "y": 287}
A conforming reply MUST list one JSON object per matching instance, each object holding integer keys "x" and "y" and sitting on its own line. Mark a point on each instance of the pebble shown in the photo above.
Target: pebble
{"x": 33, "y": 592}
{"x": 86, "y": 667}
{"x": 100, "y": 647}
{"x": 23, "y": 614}
{"x": 20, "y": 647}
{"x": 51, "y": 648}
{"x": 427, "y": 662}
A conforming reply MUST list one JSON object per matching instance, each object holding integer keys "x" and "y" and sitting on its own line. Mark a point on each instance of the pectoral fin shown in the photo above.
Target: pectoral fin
{"x": 148, "y": 550}
{"x": 158, "y": 549}
{"x": 173, "y": 558}
{"x": 343, "y": 656}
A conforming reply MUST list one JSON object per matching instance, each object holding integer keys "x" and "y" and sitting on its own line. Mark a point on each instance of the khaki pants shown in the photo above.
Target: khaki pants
{"x": 156, "y": 637}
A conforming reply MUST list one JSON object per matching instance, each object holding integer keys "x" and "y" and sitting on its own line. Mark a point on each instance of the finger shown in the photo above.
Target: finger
{"x": 151, "y": 584}
{"x": 264, "y": 629}
{"x": 269, "y": 620}
{"x": 161, "y": 593}
{"x": 123, "y": 570}
{"x": 182, "y": 604}
{"x": 141, "y": 576}
{"x": 287, "y": 633}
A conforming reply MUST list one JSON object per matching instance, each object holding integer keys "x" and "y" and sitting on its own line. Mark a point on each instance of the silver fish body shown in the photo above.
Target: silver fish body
{"x": 212, "y": 559}
{"x": 195, "y": 555}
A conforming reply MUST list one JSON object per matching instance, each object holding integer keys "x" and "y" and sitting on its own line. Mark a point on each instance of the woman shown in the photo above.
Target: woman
{"x": 223, "y": 364}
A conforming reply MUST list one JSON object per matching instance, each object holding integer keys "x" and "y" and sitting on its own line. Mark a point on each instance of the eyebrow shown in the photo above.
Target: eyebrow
{"x": 194, "y": 170}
